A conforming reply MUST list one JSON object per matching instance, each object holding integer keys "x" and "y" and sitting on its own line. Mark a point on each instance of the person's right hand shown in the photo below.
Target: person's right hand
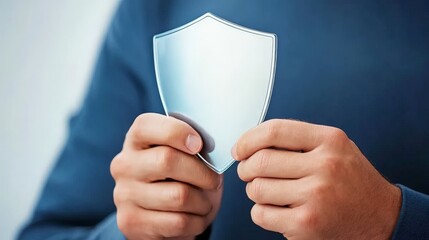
{"x": 162, "y": 190}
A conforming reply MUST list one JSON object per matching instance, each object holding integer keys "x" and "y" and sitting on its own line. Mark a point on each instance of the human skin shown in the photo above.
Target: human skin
{"x": 312, "y": 182}
{"x": 162, "y": 190}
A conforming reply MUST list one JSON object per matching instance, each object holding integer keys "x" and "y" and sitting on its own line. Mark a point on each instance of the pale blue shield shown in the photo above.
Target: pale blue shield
{"x": 218, "y": 77}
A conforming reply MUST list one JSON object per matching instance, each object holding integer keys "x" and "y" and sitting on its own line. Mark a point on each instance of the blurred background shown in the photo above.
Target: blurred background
{"x": 47, "y": 51}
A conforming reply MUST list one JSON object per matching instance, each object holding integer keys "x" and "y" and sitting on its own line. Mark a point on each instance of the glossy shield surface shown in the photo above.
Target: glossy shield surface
{"x": 216, "y": 76}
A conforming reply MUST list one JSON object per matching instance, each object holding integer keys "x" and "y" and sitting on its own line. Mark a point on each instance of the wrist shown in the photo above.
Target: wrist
{"x": 390, "y": 210}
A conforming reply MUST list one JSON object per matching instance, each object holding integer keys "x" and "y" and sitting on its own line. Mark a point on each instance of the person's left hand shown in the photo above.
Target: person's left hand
{"x": 312, "y": 182}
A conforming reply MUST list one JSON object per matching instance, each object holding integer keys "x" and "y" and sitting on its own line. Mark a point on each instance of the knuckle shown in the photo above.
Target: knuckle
{"x": 336, "y": 136}
{"x": 272, "y": 127}
{"x": 210, "y": 179}
{"x": 213, "y": 183}
{"x": 332, "y": 165}
{"x": 168, "y": 153}
{"x": 118, "y": 166}
{"x": 126, "y": 221}
{"x": 118, "y": 195}
{"x": 180, "y": 195}
{"x": 207, "y": 207}
{"x": 307, "y": 220}
{"x": 165, "y": 158}
{"x": 144, "y": 118}
{"x": 170, "y": 134}
{"x": 320, "y": 191}
{"x": 179, "y": 224}
{"x": 200, "y": 227}
{"x": 263, "y": 161}
{"x": 123, "y": 192}
{"x": 139, "y": 122}
{"x": 173, "y": 129}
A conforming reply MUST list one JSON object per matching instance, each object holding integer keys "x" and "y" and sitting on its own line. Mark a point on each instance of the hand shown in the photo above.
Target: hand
{"x": 312, "y": 182}
{"x": 162, "y": 190}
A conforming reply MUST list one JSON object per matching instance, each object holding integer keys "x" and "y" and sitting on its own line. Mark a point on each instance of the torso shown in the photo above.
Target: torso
{"x": 361, "y": 66}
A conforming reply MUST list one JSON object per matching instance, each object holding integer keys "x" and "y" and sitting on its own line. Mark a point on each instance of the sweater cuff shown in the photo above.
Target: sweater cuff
{"x": 413, "y": 222}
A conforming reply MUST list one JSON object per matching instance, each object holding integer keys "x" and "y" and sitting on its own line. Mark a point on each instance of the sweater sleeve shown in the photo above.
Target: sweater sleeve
{"x": 77, "y": 199}
{"x": 413, "y": 222}
{"x": 107, "y": 229}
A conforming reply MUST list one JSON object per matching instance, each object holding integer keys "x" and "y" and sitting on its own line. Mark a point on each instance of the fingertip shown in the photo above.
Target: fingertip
{"x": 194, "y": 143}
{"x": 234, "y": 152}
{"x": 240, "y": 172}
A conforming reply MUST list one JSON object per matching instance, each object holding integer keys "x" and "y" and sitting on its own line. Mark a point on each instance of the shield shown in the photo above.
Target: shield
{"x": 218, "y": 77}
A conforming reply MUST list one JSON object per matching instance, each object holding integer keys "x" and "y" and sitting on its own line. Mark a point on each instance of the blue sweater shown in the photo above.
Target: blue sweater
{"x": 362, "y": 66}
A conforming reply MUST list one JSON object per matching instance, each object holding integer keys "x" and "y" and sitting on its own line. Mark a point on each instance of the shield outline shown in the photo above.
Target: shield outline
{"x": 268, "y": 94}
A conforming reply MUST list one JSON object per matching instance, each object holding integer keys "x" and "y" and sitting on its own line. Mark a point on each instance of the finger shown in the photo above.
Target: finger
{"x": 154, "y": 129}
{"x": 286, "y": 134}
{"x": 280, "y": 192}
{"x": 276, "y": 163}
{"x": 169, "y": 224}
{"x": 171, "y": 196}
{"x": 273, "y": 218}
{"x": 139, "y": 221}
{"x": 160, "y": 163}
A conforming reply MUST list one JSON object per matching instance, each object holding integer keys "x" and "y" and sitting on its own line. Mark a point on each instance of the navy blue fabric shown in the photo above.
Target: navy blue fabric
{"x": 358, "y": 65}
{"x": 412, "y": 222}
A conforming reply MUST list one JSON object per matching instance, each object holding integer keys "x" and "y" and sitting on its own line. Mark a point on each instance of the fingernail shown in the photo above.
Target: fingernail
{"x": 193, "y": 143}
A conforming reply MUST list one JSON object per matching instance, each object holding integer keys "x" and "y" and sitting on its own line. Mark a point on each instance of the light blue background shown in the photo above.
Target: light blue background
{"x": 47, "y": 50}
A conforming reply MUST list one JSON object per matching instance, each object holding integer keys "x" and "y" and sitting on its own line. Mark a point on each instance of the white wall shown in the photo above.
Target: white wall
{"x": 47, "y": 50}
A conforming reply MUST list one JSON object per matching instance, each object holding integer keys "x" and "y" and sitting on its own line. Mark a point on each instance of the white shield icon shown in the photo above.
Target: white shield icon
{"x": 218, "y": 77}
